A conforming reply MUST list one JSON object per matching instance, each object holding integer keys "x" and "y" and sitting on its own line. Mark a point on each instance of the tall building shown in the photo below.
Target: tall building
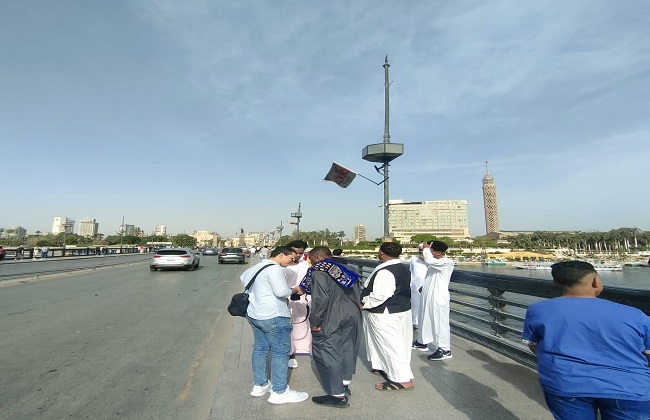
{"x": 159, "y": 230}
{"x": 60, "y": 224}
{"x": 14, "y": 232}
{"x": 204, "y": 237}
{"x": 88, "y": 228}
{"x": 438, "y": 218}
{"x": 490, "y": 203}
{"x": 360, "y": 234}
{"x": 127, "y": 230}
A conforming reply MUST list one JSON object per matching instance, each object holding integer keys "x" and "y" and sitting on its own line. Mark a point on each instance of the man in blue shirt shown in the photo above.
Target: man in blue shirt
{"x": 592, "y": 354}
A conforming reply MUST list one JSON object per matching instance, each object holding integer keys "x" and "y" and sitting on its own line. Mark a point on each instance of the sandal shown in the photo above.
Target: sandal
{"x": 393, "y": 386}
{"x": 380, "y": 373}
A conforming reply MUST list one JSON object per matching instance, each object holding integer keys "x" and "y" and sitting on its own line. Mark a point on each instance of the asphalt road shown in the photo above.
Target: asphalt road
{"x": 115, "y": 343}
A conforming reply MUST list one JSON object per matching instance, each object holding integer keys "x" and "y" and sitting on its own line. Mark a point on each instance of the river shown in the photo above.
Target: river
{"x": 630, "y": 277}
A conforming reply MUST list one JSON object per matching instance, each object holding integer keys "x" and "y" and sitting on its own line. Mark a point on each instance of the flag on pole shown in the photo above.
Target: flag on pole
{"x": 341, "y": 175}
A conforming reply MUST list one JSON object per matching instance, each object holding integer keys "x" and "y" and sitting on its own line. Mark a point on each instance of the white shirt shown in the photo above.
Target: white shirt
{"x": 268, "y": 294}
{"x": 383, "y": 287}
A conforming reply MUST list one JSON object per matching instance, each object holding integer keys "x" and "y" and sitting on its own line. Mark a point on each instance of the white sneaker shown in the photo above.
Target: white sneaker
{"x": 259, "y": 390}
{"x": 288, "y": 396}
{"x": 293, "y": 363}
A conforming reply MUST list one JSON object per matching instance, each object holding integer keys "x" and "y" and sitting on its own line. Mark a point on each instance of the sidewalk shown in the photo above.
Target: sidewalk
{"x": 476, "y": 384}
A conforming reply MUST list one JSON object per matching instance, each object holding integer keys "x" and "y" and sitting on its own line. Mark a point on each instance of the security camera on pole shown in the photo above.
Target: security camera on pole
{"x": 297, "y": 215}
{"x": 384, "y": 153}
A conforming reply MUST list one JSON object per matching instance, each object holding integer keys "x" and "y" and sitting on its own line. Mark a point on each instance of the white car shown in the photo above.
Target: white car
{"x": 174, "y": 258}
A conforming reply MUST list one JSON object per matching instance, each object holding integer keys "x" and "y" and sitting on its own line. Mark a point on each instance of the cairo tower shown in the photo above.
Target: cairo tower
{"x": 490, "y": 203}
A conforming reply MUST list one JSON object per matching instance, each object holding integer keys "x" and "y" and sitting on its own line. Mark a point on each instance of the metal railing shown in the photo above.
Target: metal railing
{"x": 489, "y": 309}
{"x": 28, "y": 253}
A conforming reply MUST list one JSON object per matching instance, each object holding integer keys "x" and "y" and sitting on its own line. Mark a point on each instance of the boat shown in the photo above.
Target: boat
{"x": 605, "y": 266}
{"x": 534, "y": 266}
{"x": 495, "y": 262}
{"x": 598, "y": 265}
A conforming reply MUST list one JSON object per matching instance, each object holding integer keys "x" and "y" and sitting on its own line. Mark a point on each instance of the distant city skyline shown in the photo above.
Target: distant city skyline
{"x": 219, "y": 115}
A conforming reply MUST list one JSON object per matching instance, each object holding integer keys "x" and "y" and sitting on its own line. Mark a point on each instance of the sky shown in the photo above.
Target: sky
{"x": 220, "y": 115}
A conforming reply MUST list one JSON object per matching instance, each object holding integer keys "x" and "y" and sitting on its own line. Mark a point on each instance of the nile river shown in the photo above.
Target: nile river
{"x": 630, "y": 277}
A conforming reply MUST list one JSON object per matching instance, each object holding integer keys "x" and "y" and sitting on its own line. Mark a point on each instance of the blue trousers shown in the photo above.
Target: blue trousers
{"x": 272, "y": 335}
{"x": 582, "y": 408}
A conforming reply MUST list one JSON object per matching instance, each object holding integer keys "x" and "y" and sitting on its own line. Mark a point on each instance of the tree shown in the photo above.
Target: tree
{"x": 422, "y": 237}
{"x": 185, "y": 241}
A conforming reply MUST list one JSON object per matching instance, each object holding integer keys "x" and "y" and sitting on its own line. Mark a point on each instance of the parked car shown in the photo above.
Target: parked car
{"x": 174, "y": 258}
{"x": 235, "y": 255}
{"x": 210, "y": 251}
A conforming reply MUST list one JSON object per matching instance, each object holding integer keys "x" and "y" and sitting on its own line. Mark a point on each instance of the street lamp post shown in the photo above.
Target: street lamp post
{"x": 297, "y": 215}
{"x": 121, "y": 234}
{"x": 65, "y": 226}
{"x": 384, "y": 152}
{"x": 280, "y": 229}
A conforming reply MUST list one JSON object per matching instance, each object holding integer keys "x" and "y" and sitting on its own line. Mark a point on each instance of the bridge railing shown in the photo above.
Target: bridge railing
{"x": 28, "y": 253}
{"x": 489, "y": 309}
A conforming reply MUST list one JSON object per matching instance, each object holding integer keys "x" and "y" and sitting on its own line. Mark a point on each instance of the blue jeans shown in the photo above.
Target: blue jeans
{"x": 583, "y": 408}
{"x": 271, "y": 335}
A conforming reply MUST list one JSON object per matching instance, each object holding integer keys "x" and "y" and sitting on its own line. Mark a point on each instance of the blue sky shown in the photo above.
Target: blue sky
{"x": 216, "y": 115}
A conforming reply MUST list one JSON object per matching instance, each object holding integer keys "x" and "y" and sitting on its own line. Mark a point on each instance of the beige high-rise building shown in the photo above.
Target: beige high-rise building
{"x": 360, "y": 234}
{"x": 438, "y": 218}
{"x": 490, "y": 203}
{"x": 159, "y": 230}
{"x": 60, "y": 224}
{"x": 127, "y": 230}
{"x": 204, "y": 237}
{"x": 88, "y": 228}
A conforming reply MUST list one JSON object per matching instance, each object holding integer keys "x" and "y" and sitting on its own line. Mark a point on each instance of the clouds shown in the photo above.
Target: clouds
{"x": 553, "y": 94}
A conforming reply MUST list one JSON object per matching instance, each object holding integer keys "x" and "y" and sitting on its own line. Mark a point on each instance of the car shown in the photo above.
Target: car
{"x": 174, "y": 258}
{"x": 235, "y": 255}
{"x": 210, "y": 251}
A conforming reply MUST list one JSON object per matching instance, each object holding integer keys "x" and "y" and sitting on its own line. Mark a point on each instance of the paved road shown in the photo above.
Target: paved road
{"x": 115, "y": 343}
{"x": 127, "y": 343}
{"x": 10, "y": 269}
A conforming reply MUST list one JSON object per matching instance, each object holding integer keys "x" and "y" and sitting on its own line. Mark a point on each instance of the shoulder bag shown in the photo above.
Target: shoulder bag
{"x": 239, "y": 302}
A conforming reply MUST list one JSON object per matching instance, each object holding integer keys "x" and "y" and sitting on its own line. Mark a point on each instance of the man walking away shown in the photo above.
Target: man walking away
{"x": 19, "y": 253}
{"x": 268, "y": 316}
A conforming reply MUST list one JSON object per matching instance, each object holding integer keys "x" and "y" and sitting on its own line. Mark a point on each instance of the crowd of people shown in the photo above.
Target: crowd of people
{"x": 316, "y": 304}
{"x": 593, "y": 354}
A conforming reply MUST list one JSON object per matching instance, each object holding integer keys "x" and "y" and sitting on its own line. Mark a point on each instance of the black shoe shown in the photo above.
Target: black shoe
{"x": 420, "y": 346}
{"x": 331, "y": 401}
{"x": 440, "y": 354}
{"x": 347, "y": 390}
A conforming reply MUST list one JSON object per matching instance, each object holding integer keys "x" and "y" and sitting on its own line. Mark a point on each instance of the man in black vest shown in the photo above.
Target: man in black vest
{"x": 387, "y": 320}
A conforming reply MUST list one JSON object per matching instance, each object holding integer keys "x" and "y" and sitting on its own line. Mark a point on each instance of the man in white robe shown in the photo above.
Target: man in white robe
{"x": 419, "y": 271}
{"x": 387, "y": 320}
{"x": 301, "y": 334}
{"x": 434, "y": 303}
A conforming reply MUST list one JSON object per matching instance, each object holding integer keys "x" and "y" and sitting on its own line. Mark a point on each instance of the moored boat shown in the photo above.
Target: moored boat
{"x": 534, "y": 266}
{"x": 495, "y": 262}
{"x": 605, "y": 266}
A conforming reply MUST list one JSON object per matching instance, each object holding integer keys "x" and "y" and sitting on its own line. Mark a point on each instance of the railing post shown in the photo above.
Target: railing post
{"x": 497, "y": 318}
